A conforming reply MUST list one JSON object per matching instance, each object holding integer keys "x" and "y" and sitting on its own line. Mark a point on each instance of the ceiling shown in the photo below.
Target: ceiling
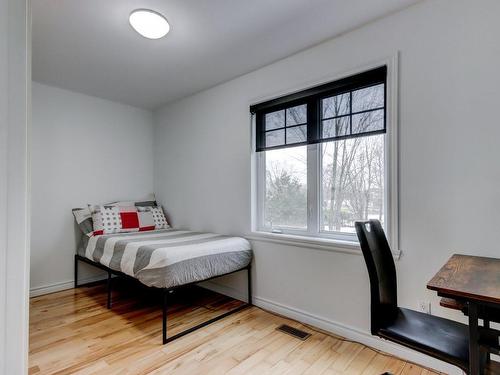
{"x": 89, "y": 47}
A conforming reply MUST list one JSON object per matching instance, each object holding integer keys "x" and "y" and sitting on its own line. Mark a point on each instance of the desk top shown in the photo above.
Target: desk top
{"x": 470, "y": 277}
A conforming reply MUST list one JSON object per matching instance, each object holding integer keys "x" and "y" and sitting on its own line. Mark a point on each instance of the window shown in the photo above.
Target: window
{"x": 321, "y": 158}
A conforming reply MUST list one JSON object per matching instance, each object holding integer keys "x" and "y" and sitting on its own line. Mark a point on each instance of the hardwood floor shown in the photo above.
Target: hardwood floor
{"x": 72, "y": 332}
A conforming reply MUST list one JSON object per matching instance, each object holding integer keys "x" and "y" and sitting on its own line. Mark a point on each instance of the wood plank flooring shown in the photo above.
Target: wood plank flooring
{"x": 72, "y": 332}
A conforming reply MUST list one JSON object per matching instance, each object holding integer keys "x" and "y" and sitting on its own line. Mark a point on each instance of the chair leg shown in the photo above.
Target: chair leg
{"x": 109, "y": 290}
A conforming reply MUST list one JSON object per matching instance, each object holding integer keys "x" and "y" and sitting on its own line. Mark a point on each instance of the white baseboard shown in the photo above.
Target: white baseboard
{"x": 339, "y": 329}
{"x": 63, "y": 285}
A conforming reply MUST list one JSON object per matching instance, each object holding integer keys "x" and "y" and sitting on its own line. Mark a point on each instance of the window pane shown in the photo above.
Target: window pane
{"x": 296, "y": 115}
{"x": 368, "y": 121}
{"x": 335, "y": 106}
{"x": 369, "y": 98}
{"x": 352, "y": 182}
{"x": 335, "y": 127}
{"x": 275, "y": 120}
{"x": 285, "y": 203}
{"x": 275, "y": 138}
{"x": 296, "y": 134}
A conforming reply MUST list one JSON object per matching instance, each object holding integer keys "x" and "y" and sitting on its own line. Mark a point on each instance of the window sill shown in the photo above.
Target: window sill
{"x": 316, "y": 243}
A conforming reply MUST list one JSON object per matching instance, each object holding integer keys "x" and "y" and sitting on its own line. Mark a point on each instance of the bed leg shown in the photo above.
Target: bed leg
{"x": 249, "y": 274}
{"x": 164, "y": 329}
{"x": 109, "y": 290}
{"x": 76, "y": 271}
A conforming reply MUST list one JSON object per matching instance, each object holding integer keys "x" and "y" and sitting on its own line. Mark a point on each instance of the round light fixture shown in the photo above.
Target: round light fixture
{"x": 149, "y": 24}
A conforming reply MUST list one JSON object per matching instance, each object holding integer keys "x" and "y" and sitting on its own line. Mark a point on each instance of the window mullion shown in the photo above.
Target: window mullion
{"x": 261, "y": 190}
{"x": 313, "y": 120}
{"x": 312, "y": 189}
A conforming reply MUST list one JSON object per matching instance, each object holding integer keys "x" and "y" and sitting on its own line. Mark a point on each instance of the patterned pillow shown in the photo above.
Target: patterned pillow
{"x": 146, "y": 220}
{"x": 159, "y": 219}
{"x": 83, "y": 216}
{"x": 106, "y": 219}
{"x": 115, "y": 219}
{"x": 134, "y": 220}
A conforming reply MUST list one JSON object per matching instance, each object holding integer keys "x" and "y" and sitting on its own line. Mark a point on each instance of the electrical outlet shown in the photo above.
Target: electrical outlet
{"x": 424, "y": 306}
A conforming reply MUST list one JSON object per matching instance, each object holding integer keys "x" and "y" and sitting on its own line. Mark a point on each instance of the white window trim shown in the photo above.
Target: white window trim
{"x": 325, "y": 242}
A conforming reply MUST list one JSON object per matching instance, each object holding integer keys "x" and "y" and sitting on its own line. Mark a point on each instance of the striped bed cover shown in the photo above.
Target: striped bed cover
{"x": 168, "y": 258}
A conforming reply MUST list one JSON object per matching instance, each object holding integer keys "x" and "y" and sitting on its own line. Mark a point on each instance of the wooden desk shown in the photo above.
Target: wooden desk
{"x": 475, "y": 282}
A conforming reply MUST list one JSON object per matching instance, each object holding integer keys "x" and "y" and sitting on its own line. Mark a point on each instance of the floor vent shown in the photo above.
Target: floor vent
{"x": 297, "y": 333}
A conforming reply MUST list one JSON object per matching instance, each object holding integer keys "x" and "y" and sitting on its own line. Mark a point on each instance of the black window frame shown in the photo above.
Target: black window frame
{"x": 313, "y": 97}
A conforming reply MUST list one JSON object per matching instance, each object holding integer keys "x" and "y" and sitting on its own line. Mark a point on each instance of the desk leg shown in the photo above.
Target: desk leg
{"x": 474, "y": 366}
{"x": 486, "y": 324}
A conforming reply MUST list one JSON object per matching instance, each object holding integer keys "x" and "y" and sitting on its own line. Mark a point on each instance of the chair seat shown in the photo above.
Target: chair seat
{"x": 438, "y": 337}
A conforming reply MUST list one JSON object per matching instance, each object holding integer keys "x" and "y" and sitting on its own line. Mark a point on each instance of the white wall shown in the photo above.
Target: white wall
{"x": 4, "y": 74}
{"x": 449, "y": 91}
{"x": 84, "y": 150}
{"x": 14, "y": 221}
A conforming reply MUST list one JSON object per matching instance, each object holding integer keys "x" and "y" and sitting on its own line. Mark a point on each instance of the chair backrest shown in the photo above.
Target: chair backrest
{"x": 382, "y": 272}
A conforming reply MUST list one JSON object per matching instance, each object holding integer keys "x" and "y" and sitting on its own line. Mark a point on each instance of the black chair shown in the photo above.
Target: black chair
{"x": 440, "y": 338}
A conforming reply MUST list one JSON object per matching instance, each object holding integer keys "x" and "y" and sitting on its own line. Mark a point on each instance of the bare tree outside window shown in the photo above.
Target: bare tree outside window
{"x": 352, "y": 182}
{"x": 352, "y": 169}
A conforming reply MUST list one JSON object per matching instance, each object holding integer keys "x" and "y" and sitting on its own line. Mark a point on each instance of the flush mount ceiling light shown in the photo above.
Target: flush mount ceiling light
{"x": 149, "y": 24}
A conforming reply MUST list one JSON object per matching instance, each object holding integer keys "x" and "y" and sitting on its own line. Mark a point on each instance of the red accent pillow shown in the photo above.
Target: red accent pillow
{"x": 130, "y": 220}
{"x": 133, "y": 220}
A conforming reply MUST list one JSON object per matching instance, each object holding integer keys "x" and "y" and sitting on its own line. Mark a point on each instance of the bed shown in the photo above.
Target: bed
{"x": 167, "y": 259}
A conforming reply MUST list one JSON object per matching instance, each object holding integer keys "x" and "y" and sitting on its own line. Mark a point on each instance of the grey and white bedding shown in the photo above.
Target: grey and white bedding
{"x": 168, "y": 258}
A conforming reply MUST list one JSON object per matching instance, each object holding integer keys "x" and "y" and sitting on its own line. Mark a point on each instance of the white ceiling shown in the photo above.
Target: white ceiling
{"x": 88, "y": 46}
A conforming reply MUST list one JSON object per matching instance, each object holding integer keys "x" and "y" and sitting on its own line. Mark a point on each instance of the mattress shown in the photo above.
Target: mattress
{"x": 169, "y": 258}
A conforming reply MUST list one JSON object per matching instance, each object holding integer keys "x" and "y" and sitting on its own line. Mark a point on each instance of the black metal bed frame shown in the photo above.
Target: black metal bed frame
{"x": 165, "y": 292}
